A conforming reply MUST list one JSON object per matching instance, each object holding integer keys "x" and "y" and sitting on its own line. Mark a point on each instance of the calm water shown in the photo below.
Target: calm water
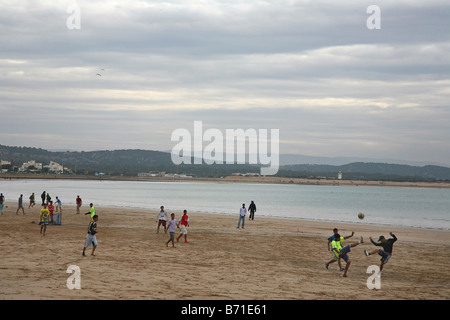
{"x": 393, "y": 206}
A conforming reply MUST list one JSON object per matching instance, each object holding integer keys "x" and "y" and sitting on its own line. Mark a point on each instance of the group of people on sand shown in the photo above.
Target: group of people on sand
{"x": 341, "y": 253}
{"x": 46, "y": 213}
{"x": 48, "y": 210}
{"x": 243, "y": 214}
{"x": 172, "y": 224}
{"x": 46, "y": 200}
{"x": 334, "y": 242}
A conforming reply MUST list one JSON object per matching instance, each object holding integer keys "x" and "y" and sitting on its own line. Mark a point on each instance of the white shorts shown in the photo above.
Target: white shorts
{"x": 183, "y": 229}
{"x": 90, "y": 239}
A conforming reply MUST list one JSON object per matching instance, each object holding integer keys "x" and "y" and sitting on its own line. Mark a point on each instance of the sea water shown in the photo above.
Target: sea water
{"x": 427, "y": 208}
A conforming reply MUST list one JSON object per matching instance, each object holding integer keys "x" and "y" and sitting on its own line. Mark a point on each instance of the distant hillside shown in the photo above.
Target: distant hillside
{"x": 131, "y": 162}
{"x": 110, "y": 161}
{"x": 116, "y": 162}
{"x": 291, "y": 159}
{"x": 369, "y": 171}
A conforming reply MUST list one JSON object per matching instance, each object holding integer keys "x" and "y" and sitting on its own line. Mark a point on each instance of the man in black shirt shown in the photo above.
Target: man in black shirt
{"x": 387, "y": 248}
{"x": 90, "y": 237}
{"x": 252, "y": 210}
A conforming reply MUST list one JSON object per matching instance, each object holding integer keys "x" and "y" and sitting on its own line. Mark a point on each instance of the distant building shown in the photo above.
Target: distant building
{"x": 5, "y": 163}
{"x": 251, "y": 174}
{"x": 163, "y": 174}
{"x": 54, "y": 167}
{"x": 150, "y": 174}
{"x": 248, "y": 174}
{"x": 26, "y": 165}
{"x": 339, "y": 175}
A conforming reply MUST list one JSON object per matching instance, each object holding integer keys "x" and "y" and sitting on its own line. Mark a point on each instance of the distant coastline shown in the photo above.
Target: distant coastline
{"x": 237, "y": 179}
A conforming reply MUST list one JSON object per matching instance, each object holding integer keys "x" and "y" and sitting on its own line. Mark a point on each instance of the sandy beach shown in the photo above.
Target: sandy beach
{"x": 270, "y": 259}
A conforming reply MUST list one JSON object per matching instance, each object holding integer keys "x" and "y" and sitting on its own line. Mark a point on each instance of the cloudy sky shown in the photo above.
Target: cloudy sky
{"x": 312, "y": 69}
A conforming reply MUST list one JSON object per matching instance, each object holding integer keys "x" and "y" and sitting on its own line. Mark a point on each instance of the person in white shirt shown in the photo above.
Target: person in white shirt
{"x": 161, "y": 219}
{"x": 172, "y": 226}
{"x": 242, "y": 214}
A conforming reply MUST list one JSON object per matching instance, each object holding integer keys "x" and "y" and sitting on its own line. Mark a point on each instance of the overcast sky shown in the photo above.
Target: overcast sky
{"x": 312, "y": 69}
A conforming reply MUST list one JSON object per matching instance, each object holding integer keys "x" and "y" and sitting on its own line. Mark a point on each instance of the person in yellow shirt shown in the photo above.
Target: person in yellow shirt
{"x": 91, "y": 211}
{"x": 43, "y": 219}
{"x": 342, "y": 253}
{"x": 335, "y": 256}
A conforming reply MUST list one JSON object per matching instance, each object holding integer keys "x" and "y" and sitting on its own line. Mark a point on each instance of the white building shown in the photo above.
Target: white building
{"x": 150, "y": 174}
{"x": 31, "y": 163}
{"x": 5, "y": 163}
{"x": 339, "y": 175}
{"x": 55, "y": 167}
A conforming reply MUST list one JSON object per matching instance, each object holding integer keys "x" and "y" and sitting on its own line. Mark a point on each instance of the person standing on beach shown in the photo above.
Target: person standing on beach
{"x": 43, "y": 198}
{"x": 32, "y": 202}
{"x": 252, "y": 209}
{"x": 387, "y": 245}
{"x": 172, "y": 226}
{"x": 91, "y": 238}
{"x": 342, "y": 253}
{"x": 43, "y": 219}
{"x": 161, "y": 219}
{"x": 58, "y": 205}
{"x": 20, "y": 204}
{"x": 242, "y": 214}
{"x": 183, "y": 224}
{"x": 51, "y": 209}
{"x": 2, "y": 202}
{"x": 335, "y": 257}
{"x": 91, "y": 211}
{"x": 78, "y": 202}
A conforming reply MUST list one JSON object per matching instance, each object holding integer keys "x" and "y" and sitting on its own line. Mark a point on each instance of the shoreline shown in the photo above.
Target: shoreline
{"x": 349, "y": 220}
{"x": 238, "y": 179}
{"x": 271, "y": 259}
{"x": 306, "y": 220}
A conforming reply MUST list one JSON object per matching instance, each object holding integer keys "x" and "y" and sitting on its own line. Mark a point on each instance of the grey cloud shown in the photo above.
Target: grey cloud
{"x": 310, "y": 68}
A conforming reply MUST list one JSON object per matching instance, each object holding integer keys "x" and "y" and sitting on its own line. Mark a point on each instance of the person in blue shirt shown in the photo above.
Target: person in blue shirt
{"x": 335, "y": 257}
{"x": 58, "y": 205}
{"x": 342, "y": 252}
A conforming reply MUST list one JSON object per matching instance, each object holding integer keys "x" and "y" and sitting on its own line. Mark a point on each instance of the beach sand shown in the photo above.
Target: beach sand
{"x": 270, "y": 259}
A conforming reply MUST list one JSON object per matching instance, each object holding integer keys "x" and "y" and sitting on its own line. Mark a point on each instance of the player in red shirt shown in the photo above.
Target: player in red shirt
{"x": 78, "y": 201}
{"x": 51, "y": 209}
{"x": 183, "y": 224}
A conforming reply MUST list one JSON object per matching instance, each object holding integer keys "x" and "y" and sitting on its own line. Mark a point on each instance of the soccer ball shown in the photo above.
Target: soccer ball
{"x": 361, "y": 215}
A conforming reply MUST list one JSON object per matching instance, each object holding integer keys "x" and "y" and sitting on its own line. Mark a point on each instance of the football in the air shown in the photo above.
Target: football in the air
{"x": 361, "y": 215}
